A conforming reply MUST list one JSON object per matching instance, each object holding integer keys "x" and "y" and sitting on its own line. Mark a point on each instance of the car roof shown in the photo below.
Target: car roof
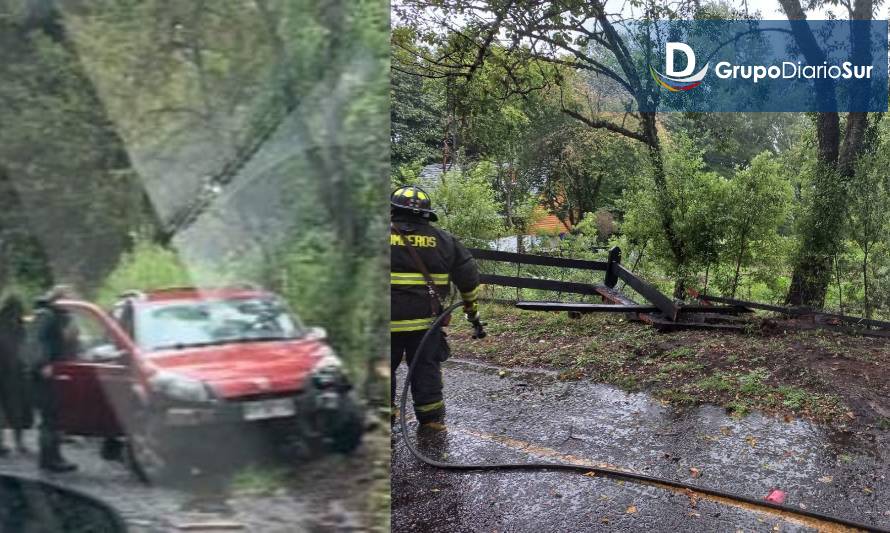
{"x": 195, "y": 293}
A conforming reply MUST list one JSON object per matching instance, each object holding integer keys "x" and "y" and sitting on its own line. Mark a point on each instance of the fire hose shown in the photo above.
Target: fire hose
{"x": 587, "y": 469}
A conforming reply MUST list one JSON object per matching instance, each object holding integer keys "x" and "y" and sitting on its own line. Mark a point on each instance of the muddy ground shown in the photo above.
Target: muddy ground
{"x": 819, "y": 375}
{"x": 328, "y": 493}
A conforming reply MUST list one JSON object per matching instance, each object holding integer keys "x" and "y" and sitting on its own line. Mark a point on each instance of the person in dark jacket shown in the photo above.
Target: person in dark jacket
{"x": 16, "y": 408}
{"x": 416, "y": 245}
{"x": 54, "y": 333}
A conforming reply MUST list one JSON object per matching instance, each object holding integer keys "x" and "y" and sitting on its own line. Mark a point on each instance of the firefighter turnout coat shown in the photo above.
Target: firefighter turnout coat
{"x": 447, "y": 261}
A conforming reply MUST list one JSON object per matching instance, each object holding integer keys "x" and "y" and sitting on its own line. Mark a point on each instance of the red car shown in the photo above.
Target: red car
{"x": 172, "y": 371}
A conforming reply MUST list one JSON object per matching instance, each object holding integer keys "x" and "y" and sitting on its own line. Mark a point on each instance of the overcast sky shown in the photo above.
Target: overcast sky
{"x": 771, "y": 11}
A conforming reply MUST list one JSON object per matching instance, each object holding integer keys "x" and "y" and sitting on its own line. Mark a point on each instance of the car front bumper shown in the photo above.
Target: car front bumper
{"x": 308, "y": 403}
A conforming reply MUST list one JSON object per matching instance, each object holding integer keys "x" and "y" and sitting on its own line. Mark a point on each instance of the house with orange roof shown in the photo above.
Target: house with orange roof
{"x": 546, "y": 223}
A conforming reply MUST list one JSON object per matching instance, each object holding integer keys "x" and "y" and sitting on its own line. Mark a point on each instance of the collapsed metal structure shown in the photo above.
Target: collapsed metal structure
{"x": 661, "y": 311}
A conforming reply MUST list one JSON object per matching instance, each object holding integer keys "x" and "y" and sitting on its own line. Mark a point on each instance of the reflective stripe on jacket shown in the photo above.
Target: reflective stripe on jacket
{"x": 447, "y": 260}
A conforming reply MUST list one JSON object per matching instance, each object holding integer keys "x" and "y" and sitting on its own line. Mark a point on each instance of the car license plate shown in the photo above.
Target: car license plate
{"x": 264, "y": 409}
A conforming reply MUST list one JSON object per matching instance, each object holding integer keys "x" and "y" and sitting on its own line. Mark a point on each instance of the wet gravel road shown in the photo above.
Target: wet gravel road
{"x": 533, "y": 416}
{"x": 208, "y": 503}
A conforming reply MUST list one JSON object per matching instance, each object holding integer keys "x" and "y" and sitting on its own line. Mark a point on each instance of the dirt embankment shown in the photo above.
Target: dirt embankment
{"x": 825, "y": 376}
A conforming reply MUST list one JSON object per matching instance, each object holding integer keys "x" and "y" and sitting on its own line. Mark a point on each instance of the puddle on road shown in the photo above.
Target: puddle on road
{"x": 694, "y": 496}
{"x": 586, "y": 408}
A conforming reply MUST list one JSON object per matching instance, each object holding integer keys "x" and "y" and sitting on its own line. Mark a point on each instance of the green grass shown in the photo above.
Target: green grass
{"x": 739, "y": 408}
{"x": 675, "y": 369}
{"x": 753, "y": 383}
{"x": 676, "y": 396}
{"x": 793, "y": 397}
{"x": 742, "y": 372}
{"x": 717, "y": 382}
{"x": 680, "y": 353}
{"x": 259, "y": 481}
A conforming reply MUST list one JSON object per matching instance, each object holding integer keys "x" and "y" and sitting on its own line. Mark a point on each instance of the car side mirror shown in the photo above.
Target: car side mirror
{"x": 317, "y": 333}
{"x": 105, "y": 353}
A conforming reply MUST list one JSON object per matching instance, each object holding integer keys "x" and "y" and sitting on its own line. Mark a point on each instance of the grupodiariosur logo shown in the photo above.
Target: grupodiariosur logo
{"x": 674, "y": 80}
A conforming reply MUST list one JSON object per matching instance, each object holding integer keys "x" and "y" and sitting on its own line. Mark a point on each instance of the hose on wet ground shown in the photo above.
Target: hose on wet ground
{"x": 586, "y": 469}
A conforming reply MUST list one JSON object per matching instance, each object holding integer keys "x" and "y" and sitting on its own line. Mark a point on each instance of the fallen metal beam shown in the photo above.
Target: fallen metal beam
{"x": 541, "y": 284}
{"x": 579, "y": 307}
{"x": 755, "y": 305}
{"x": 614, "y": 296}
{"x": 542, "y": 260}
{"x": 718, "y": 310}
{"x": 800, "y": 311}
{"x": 649, "y": 292}
{"x": 586, "y": 308}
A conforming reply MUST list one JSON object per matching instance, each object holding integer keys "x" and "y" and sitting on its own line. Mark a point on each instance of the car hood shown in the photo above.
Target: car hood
{"x": 244, "y": 369}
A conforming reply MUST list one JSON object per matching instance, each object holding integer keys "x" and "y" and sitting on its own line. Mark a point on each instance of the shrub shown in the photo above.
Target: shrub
{"x": 147, "y": 266}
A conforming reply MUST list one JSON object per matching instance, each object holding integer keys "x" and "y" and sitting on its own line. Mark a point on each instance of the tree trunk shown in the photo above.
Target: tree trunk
{"x": 809, "y": 282}
{"x": 812, "y": 270}
{"x": 837, "y": 275}
{"x": 665, "y": 202}
{"x": 594, "y": 197}
{"x": 738, "y": 263}
{"x": 868, "y": 310}
{"x": 707, "y": 271}
{"x": 735, "y": 278}
{"x": 508, "y": 198}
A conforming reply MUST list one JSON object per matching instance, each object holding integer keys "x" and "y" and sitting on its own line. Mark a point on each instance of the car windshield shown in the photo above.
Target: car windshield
{"x": 173, "y": 325}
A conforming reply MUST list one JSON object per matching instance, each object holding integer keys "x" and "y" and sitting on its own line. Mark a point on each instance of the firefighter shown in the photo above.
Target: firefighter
{"x": 57, "y": 338}
{"x": 425, "y": 261}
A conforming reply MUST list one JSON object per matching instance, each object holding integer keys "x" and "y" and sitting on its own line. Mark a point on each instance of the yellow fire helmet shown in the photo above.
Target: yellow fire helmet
{"x": 414, "y": 200}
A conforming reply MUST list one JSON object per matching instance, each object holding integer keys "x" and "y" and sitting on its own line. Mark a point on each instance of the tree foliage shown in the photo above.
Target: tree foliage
{"x": 244, "y": 134}
{"x": 765, "y": 205}
{"x": 869, "y": 215}
{"x": 467, "y": 206}
{"x": 759, "y": 198}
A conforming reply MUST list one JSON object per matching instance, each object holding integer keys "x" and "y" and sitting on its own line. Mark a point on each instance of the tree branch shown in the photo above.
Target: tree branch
{"x": 606, "y": 125}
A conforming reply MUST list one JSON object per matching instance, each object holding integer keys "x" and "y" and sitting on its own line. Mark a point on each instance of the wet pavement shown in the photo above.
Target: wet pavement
{"x": 203, "y": 503}
{"x": 527, "y": 416}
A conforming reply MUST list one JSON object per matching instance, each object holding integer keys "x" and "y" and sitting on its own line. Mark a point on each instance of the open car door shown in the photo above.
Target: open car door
{"x": 94, "y": 384}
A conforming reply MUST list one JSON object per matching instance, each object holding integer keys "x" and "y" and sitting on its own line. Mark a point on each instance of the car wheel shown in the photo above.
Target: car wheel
{"x": 146, "y": 454}
{"x": 345, "y": 432}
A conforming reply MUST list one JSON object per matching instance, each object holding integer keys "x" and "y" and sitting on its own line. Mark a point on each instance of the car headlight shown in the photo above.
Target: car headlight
{"x": 178, "y": 387}
{"x": 328, "y": 371}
